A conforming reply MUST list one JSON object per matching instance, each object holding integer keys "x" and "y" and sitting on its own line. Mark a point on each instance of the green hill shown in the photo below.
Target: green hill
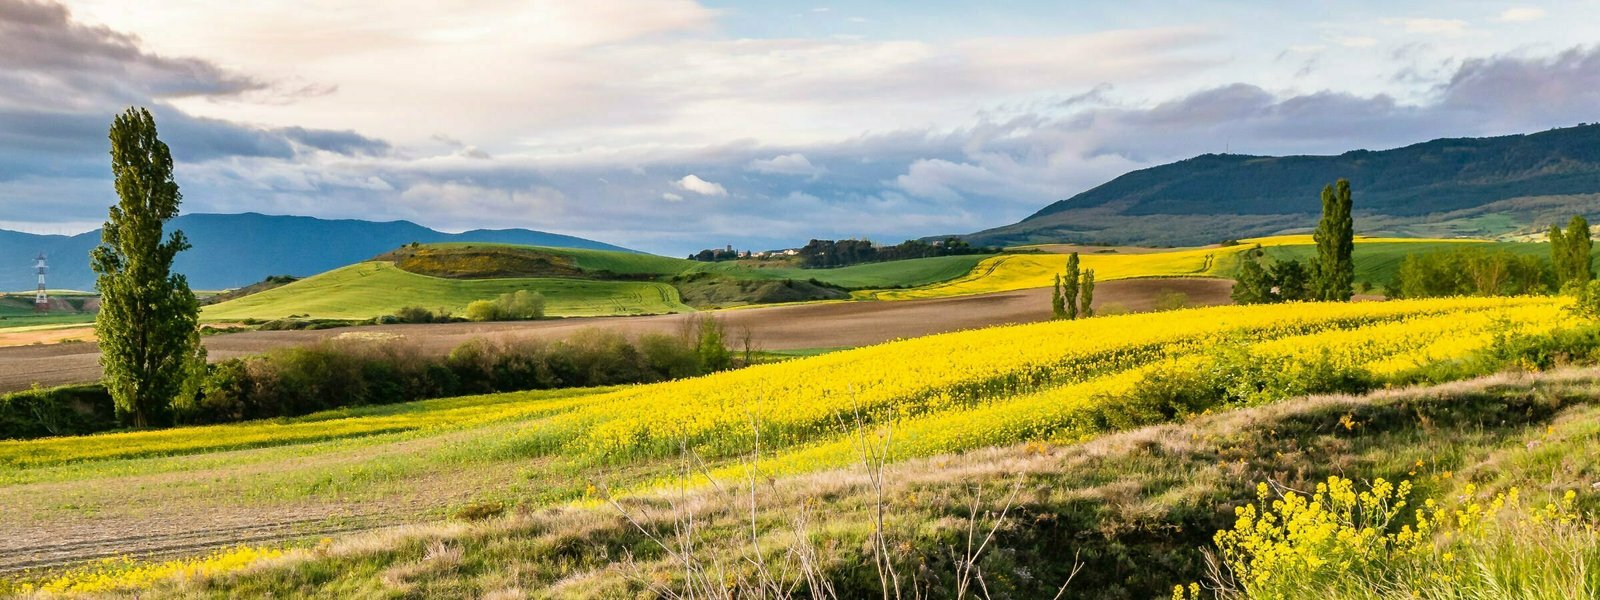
{"x": 1475, "y": 187}
{"x": 371, "y": 289}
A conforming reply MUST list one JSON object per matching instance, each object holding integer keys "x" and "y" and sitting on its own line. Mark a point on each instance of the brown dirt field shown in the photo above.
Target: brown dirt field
{"x": 793, "y": 327}
{"x": 46, "y": 336}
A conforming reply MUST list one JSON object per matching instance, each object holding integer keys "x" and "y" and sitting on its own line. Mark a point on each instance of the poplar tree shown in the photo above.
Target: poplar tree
{"x": 1334, "y": 273}
{"x": 1560, "y": 256}
{"x": 1086, "y": 294}
{"x": 1058, "y": 303}
{"x": 148, "y": 324}
{"x": 1580, "y": 250}
{"x": 1069, "y": 286}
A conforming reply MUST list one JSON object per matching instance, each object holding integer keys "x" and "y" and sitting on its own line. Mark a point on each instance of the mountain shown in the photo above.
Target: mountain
{"x": 234, "y": 250}
{"x": 1447, "y": 187}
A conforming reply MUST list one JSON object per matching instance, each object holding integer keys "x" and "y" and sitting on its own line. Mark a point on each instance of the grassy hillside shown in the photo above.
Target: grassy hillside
{"x": 920, "y": 271}
{"x": 1049, "y": 383}
{"x": 372, "y": 289}
{"x": 1476, "y": 186}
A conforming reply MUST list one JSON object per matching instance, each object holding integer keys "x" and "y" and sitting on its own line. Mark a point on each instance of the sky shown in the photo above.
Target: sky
{"x": 674, "y": 125}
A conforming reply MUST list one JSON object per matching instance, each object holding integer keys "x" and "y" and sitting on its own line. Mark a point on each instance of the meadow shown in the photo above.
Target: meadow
{"x": 372, "y": 289}
{"x": 1057, "y": 382}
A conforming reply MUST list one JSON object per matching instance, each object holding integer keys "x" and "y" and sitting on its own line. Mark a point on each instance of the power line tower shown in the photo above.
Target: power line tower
{"x": 41, "y": 300}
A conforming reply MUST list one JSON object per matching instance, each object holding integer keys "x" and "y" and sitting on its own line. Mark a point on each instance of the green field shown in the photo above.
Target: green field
{"x": 372, "y": 289}
{"x": 1377, "y": 262}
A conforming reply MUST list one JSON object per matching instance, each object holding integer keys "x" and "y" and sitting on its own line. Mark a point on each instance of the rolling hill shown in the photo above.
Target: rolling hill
{"x": 1479, "y": 187}
{"x": 576, "y": 282}
{"x": 235, "y": 250}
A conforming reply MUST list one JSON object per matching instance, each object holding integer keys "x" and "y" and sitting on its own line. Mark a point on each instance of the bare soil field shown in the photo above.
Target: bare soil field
{"x": 793, "y": 327}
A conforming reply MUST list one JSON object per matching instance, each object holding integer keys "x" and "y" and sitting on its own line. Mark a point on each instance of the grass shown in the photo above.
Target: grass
{"x": 419, "y": 462}
{"x": 900, "y": 273}
{"x": 1134, "y": 510}
{"x": 1377, "y": 263}
{"x": 372, "y": 289}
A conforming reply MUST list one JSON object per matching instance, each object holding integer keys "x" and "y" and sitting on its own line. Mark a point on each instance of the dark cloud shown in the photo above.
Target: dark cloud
{"x": 341, "y": 142}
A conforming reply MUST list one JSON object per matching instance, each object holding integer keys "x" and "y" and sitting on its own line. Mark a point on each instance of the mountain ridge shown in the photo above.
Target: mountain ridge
{"x": 232, "y": 250}
{"x": 1483, "y": 187}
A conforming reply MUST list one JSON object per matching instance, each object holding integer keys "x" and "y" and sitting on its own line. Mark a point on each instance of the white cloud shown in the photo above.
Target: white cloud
{"x": 786, "y": 164}
{"x": 1522, "y": 14}
{"x": 1430, "y": 25}
{"x": 694, "y": 183}
{"x": 671, "y": 197}
{"x": 1354, "y": 41}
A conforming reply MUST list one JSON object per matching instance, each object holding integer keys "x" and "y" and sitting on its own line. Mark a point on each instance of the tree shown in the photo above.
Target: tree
{"x": 1251, "y": 285}
{"x": 1290, "y": 277}
{"x": 1560, "y": 255}
{"x": 148, "y": 324}
{"x": 1580, "y": 250}
{"x": 1333, "y": 274}
{"x": 1058, "y": 303}
{"x": 483, "y": 310}
{"x": 1069, "y": 286}
{"x": 1086, "y": 294}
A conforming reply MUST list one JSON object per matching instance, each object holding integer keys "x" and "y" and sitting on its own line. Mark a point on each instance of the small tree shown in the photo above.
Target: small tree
{"x": 1333, "y": 274}
{"x": 1560, "y": 256}
{"x": 1058, "y": 302}
{"x": 1086, "y": 294}
{"x": 148, "y": 324}
{"x": 1069, "y": 286}
{"x": 1580, "y": 251}
{"x": 1251, "y": 286}
{"x": 1290, "y": 278}
{"x": 712, "y": 346}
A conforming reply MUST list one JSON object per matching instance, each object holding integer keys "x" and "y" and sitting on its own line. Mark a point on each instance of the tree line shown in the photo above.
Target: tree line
{"x": 821, "y": 254}
{"x": 1073, "y": 294}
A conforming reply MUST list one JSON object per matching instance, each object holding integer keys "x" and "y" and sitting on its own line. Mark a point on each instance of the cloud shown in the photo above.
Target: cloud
{"x": 786, "y": 164}
{"x": 671, "y": 197}
{"x": 694, "y": 183}
{"x": 1521, "y": 14}
{"x": 1430, "y": 25}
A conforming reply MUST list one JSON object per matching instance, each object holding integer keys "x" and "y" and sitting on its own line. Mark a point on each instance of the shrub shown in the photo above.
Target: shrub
{"x": 483, "y": 310}
{"x": 70, "y": 410}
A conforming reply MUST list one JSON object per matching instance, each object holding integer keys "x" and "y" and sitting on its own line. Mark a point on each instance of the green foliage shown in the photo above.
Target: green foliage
{"x": 1251, "y": 285}
{"x": 1058, "y": 301}
{"x": 1587, "y": 302}
{"x": 712, "y": 345}
{"x": 520, "y": 305}
{"x": 42, "y": 412}
{"x": 148, "y": 324}
{"x": 1470, "y": 271}
{"x": 1086, "y": 295}
{"x": 1070, "y": 284}
{"x": 1571, "y": 253}
{"x": 1291, "y": 279}
{"x": 417, "y": 314}
{"x": 1333, "y": 274}
{"x": 297, "y": 381}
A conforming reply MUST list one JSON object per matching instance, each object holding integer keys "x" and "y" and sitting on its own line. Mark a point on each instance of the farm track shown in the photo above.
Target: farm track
{"x": 792, "y": 327}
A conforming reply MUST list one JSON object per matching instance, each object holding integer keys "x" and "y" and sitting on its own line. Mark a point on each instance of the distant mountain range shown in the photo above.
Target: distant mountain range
{"x": 1482, "y": 187}
{"x": 235, "y": 250}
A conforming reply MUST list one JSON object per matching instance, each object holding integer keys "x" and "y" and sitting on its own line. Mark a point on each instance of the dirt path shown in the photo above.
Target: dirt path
{"x": 791, "y": 327}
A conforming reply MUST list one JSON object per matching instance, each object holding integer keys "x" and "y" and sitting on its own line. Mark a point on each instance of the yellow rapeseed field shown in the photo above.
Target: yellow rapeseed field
{"x": 1010, "y": 272}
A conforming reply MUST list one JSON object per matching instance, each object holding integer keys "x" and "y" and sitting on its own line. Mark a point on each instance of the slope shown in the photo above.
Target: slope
{"x": 232, "y": 250}
{"x": 1443, "y": 188}
{"x": 372, "y": 289}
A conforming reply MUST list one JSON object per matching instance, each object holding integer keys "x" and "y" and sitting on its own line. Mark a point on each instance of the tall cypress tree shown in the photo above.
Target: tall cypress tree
{"x": 1581, "y": 247}
{"x": 1058, "y": 303}
{"x": 148, "y": 324}
{"x": 1560, "y": 256}
{"x": 1069, "y": 286}
{"x": 1086, "y": 294}
{"x": 1334, "y": 273}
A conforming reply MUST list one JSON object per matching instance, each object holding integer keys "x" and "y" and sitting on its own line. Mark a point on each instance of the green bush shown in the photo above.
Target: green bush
{"x": 521, "y": 305}
{"x": 71, "y": 410}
